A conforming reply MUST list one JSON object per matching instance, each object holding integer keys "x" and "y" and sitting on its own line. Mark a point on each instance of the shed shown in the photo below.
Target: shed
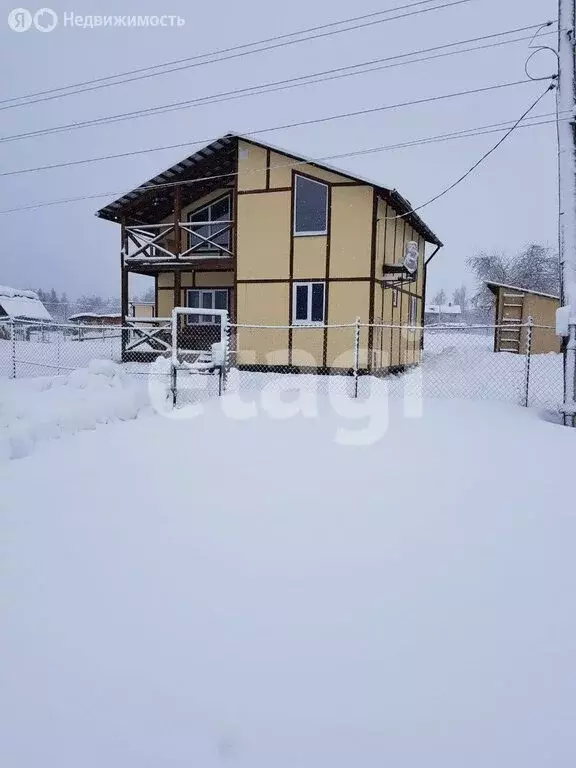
{"x": 17, "y": 304}
{"x": 514, "y": 305}
{"x": 93, "y": 318}
{"x": 434, "y": 314}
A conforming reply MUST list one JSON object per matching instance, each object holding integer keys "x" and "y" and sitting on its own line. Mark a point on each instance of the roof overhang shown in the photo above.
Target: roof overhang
{"x": 215, "y": 165}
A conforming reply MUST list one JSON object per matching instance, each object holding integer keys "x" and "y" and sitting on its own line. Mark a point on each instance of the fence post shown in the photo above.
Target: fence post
{"x": 356, "y": 354}
{"x": 58, "y": 351}
{"x": 226, "y": 361}
{"x": 528, "y": 352}
{"x": 13, "y": 347}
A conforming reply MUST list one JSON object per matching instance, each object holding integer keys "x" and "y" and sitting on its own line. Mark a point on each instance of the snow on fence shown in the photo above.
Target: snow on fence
{"x": 455, "y": 362}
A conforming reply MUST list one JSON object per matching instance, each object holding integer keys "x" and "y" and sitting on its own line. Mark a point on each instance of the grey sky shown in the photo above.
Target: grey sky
{"x": 509, "y": 201}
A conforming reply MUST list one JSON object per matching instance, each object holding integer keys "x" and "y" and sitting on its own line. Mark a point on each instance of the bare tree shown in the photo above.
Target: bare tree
{"x": 440, "y": 298}
{"x": 459, "y": 297}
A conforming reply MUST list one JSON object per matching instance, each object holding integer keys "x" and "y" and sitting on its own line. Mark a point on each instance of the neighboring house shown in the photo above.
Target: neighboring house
{"x": 16, "y": 304}
{"x": 514, "y": 305}
{"x": 94, "y": 318}
{"x": 436, "y": 314}
{"x": 278, "y": 240}
{"x": 144, "y": 309}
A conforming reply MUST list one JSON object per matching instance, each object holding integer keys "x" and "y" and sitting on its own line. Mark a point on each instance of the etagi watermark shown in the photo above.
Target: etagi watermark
{"x": 359, "y": 421}
{"x": 46, "y": 20}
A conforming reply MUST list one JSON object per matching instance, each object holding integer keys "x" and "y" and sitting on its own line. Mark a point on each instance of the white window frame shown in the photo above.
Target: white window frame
{"x": 309, "y": 285}
{"x": 210, "y": 247}
{"x": 318, "y": 233}
{"x": 205, "y": 319}
{"x": 394, "y": 297}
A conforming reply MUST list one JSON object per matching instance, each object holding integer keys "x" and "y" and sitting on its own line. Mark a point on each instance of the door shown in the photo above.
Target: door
{"x": 201, "y": 331}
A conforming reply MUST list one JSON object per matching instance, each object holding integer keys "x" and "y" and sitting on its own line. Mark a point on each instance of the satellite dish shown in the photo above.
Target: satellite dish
{"x": 411, "y": 257}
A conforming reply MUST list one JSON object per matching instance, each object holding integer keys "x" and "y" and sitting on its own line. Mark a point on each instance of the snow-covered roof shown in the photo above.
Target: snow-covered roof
{"x": 443, "y": 309}
{"x": 95, "y": 316}
{"x": 17, "y": 303}
{"x": 492, "y": 284}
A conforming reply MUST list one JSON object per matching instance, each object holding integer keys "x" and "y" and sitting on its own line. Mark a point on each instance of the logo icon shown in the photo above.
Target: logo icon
{"x": 45, "y": 20}
{"x": 20, "y": 20}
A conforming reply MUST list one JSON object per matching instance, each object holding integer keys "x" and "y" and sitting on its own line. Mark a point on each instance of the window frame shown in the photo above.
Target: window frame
{"x": 394, "y": 297}
{"x": 211, "y": 247}
{"x": 308, "y": 284}
{"x": 206, "y": 319}
{"x": 309, "y": 233}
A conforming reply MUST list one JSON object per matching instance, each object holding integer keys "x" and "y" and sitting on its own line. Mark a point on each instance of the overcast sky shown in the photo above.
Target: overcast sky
{"x": 508, "y": 202}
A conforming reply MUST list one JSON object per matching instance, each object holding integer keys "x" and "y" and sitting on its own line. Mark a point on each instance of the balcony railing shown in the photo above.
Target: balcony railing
{"x": 158, "y": 243}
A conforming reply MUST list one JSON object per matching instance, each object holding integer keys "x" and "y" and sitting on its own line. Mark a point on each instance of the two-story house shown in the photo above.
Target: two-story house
{"x": 281, "y": 241}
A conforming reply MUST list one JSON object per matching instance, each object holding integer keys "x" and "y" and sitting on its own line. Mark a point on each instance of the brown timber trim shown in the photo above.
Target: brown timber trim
{"x": 263, "y": 191}
{"x": 314, "y": 279}
{"x": 327, "y": 277}
{"x": 267, "y": 169}
{"x": 369, "y": 361}
{"x": 291, "y": 268}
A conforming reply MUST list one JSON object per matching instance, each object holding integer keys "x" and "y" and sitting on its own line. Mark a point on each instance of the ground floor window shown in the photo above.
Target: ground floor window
{"x": 308, "y": 303}
{"x": 206, "y": 298}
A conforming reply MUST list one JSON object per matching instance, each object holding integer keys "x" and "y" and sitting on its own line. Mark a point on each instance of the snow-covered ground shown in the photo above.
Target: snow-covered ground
{"x": 34, "y": 410}
{"x": 256, "y": 592}
{"x": 457, "y": 363}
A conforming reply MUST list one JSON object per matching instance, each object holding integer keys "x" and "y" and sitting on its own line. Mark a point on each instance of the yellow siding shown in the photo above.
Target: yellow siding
{"x": 263, "y": 247}
{"x": 166, "y": 280}
{"x": 187, "y": 279}
{"x": 165, "y": 303}
{"x": 263, "y": 304}
{"x": 281, "y": 171}
{"x": 308, "y": 347}
{"x": 351, "y": 232}
{"x": 310, "y": 257}
{"x": 347, "y": 301}
{"x": 386, "y": 318}
{"x": 214, "y": 279}
{"x": 252, "y": 162}
{"x": 543, "y": 312}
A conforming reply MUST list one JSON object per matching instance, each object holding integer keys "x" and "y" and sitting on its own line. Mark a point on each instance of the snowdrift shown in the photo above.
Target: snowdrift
{"x": 34, "y": 410}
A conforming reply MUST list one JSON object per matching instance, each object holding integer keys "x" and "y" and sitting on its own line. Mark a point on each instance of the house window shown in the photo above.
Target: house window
{"x": 213, "y": 298}
{"x": 394, "y": 298}
{"x": 310, "y": 207}
{"x": 211, "y": 230}
{"x": 308, "y": 303}
{"x": 412, "y": 310}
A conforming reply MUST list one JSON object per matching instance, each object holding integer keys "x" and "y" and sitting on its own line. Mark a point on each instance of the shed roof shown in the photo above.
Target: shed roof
{"x": 221, "y": 153}
{"x": 495, "y": 287}
{"x": 20, "y": 304}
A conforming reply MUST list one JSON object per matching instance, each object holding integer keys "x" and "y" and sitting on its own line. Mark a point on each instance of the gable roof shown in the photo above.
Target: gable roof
{"x": 18, "y": 304}
{"x": 195, "y": 168}
{"x": 494, "y": 286}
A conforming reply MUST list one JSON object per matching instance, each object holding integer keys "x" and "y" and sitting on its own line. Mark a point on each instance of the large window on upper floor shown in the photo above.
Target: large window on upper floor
{"x": 211, "y": 231}
{"x": 310, "y": 206}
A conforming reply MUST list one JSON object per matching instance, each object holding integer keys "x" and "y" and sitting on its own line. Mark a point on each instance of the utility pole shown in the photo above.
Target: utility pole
{"x": 567, "y": 179}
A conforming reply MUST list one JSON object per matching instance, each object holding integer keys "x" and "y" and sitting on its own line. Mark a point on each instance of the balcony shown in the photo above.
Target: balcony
{"x": 181, "y": 242}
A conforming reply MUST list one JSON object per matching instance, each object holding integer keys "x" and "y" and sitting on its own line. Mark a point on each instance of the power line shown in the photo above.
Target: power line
{"x": 233, "y": 52}
{"x": 241, "y": 93}
{"x": 467, "y": 133}
{"x": 479, "y": 162}
{"x": 296, "y": 82}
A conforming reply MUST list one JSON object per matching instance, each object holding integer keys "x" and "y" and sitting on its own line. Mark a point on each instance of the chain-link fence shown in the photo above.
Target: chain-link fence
{"x": 450, "y": 361}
